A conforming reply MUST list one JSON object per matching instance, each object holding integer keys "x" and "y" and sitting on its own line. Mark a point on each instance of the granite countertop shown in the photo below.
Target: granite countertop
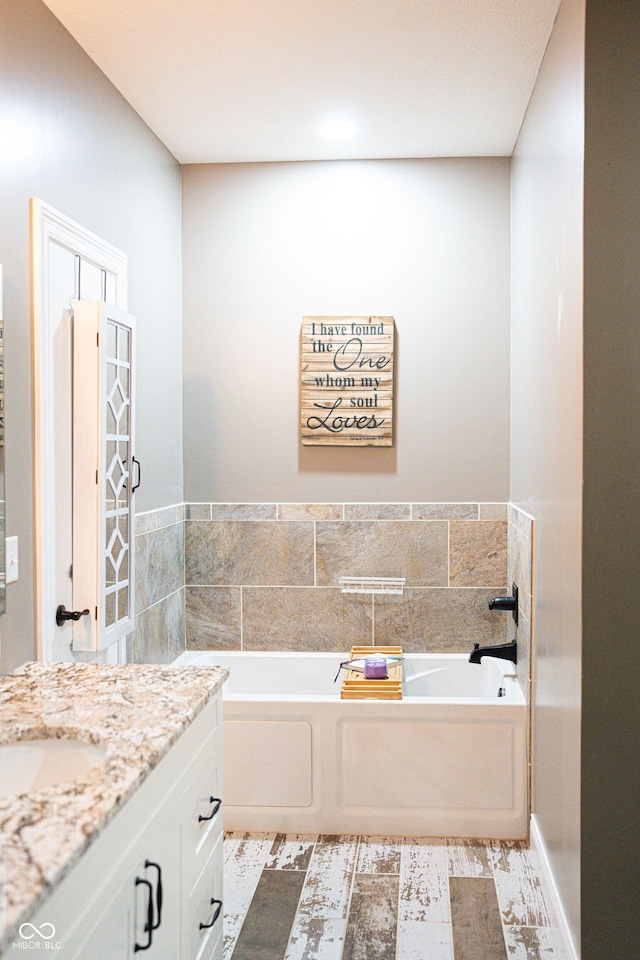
{"x": 135, "y": 712}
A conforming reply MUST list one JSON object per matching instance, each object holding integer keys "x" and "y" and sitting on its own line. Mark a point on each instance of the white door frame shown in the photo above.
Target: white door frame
{"x": 49, "y": 225}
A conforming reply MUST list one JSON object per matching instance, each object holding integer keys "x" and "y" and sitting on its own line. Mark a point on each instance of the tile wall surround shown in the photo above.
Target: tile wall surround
{"x": 159, "y": 636}
{"x": 520, "y": 547}
{"x": 265, "y": 576}
{"x": 520, "y": 571}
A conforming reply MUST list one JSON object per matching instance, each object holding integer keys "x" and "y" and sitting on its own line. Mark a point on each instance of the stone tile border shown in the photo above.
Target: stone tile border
{"x": 346, "y": 511}
{"x": 155, "y": 519}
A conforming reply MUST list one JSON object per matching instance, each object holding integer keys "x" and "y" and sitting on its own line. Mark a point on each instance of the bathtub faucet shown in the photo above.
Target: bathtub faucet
{"x": 507, "y": 603}
{"x": 505, "y": 651}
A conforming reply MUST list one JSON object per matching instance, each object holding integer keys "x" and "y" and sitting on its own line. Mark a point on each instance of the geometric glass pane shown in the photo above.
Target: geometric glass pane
{"x": 123, "y": 526}
{"x": 111, "y": 493}
{"x": 123, "y": 603}
{"x": 110, "y": 525}
{"x": 124, "y": 381}
{"x": 110, "y": 609}
{"x": 112, "y": 375}
{"x": 123, "y": 425}
{"x": 116, "y": 399}
{"x": 112, "y": 538}
{"x": 116, "y": 472}
{"x": 110, "y": 573}
{"x": 116, "y": 550}
{"x": 123, "y": 344}
{"x": 112, "y": 447}
{"x": 111, "y": 419}
{"x": 123, "y": 452}
{"x": 112, "y": 332}
{"x": 123, "y": 572}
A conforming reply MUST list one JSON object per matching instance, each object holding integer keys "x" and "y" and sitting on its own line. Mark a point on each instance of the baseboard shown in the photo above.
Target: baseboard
{"x": 561, "y": 930}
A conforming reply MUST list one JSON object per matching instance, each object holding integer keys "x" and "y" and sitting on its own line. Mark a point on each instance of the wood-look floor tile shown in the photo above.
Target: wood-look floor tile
{"x": 475, "y": 918}
{"x": 244, "y": 858}
{"x": 327, "y": 887}
{"x": 424, "y": 891}
{"x": 519, "y": 891}
{"x": 267, "y": 925}
{"x": 373, "y": 918}
{"x": 530, "y": 943}
{"x": 233, "y": 839}
{"x": 391, "y": 915}
{"x": 232, "y": 925}
{"x": 243, "y": 868}
{"x": 291, "y": 851}
{"x": 468, "y": 858}
{"x": 424, "y": 941}
{"x": 313, "y": 939}
{"x": 379, "y": 855}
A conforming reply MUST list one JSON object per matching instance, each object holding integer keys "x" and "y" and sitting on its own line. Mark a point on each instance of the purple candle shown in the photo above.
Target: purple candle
{"x": 375, "y": 668}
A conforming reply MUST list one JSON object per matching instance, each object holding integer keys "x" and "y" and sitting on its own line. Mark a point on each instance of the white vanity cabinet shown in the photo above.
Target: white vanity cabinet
{"x": 150, "y": 886}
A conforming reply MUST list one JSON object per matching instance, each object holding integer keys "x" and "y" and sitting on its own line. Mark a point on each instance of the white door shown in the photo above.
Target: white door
{"x": 68, "y": 263}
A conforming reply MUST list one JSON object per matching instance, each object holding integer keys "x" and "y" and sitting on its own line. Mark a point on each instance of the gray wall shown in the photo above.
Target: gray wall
{"x": 611, "y": 562}
{"x": 546, "y": 427}
{"x": 78, "y": 145}
{"x": 426, "y": 241}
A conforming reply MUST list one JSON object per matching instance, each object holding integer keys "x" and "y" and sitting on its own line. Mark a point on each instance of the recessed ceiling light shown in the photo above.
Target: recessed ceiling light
{"x": 337, "y": 129}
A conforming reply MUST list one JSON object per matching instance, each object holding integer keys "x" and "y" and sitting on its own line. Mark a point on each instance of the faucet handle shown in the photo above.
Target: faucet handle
{"x": 507, "y": 603}
{"x": 476, "y": 646}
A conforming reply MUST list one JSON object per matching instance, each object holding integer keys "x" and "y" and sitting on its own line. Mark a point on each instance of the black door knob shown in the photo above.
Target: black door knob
{"x": 62, "y": 614}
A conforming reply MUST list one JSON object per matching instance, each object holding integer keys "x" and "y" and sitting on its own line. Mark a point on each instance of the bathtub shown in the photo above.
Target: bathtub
{"x": 449, "y": 759}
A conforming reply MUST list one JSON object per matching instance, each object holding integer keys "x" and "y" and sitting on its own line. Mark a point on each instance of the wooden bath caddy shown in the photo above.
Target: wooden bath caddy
{"x": 356, "y": 687}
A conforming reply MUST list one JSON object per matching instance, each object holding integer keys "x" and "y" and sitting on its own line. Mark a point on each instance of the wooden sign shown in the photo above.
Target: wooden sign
{"x": 346, "y": 381}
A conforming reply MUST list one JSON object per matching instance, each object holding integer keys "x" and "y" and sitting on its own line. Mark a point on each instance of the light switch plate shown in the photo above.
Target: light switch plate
{"x": 11, "y": 559}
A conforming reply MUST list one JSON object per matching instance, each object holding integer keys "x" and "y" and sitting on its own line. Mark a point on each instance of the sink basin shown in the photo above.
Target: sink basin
{"x": 29, "y": 765}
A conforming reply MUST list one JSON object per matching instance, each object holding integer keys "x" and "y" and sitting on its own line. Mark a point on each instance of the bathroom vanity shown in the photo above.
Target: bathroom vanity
{"x": 123, "y": 858}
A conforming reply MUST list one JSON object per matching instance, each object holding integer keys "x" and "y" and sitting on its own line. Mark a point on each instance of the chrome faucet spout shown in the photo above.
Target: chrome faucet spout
{"x": 504, "y": 651}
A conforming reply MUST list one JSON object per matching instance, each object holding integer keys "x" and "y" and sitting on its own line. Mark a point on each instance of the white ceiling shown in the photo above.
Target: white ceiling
{"x": 251, "y": 80}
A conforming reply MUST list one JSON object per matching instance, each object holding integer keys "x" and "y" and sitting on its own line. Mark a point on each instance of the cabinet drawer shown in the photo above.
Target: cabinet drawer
{"x": 202, "y": 811}
{"x": 201, "y": 934}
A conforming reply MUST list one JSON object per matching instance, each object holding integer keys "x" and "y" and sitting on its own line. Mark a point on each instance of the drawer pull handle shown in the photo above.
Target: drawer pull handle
{"x": 148, "y": 928}
{"x": 150, "y": 863}
{"x": 216, "y": 806}
{"x": 216, "y": 914}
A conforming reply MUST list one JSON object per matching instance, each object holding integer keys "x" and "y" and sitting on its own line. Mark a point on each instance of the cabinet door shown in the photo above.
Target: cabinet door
{"x": 156, "y": 891}
{"x": 110, "y": 938}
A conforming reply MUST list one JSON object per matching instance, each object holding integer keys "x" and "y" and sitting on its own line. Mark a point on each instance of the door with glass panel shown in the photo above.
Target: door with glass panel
{"x": 105, "y": 474}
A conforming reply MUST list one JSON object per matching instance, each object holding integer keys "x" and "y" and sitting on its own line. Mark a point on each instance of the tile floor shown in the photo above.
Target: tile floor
{"x": 293, "y": 897}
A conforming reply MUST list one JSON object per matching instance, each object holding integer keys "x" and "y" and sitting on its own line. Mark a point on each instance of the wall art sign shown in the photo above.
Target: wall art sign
{"x": 346, "y": 381}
